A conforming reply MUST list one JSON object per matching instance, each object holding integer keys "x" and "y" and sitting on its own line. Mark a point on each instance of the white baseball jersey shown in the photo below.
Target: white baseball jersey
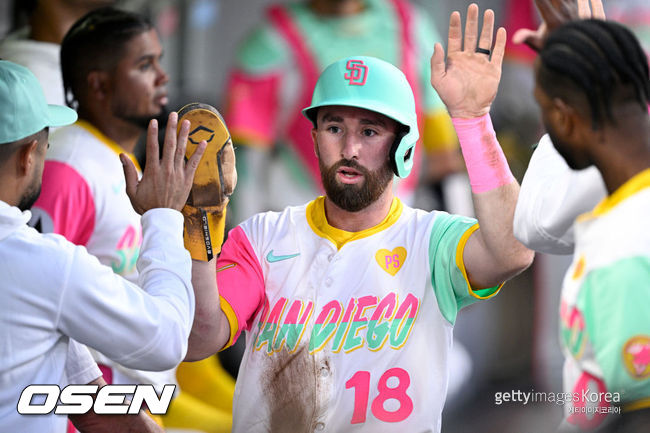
{"x": 53, "y": 291}
{"x": 83, "y": 198}
{"x": 344, "y": 331}
{"x": 551, "y": 197}
{"x": 605, "y": 309}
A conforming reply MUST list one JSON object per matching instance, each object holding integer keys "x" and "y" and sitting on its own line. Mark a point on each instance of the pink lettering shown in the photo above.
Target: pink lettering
{"x": 385, "y": 308}
{"x": 276, "y": 312}
{"x": 409, "y": 308}
{"x": 362, "y": 303}
{"x": 294, "y": 317}
{"x": 129, "y": 239}
{"x": 330, "y": 313}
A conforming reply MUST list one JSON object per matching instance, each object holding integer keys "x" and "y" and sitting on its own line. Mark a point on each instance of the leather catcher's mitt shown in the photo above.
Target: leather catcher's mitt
{"x": 214, "y": 181}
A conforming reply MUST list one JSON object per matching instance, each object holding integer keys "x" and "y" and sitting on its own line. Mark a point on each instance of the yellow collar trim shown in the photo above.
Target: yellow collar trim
{"x": 116, "y": 148}
{"x": 318, "y": 222}
{"x": 644, "y": 403}
{"x": 628, "y": 189}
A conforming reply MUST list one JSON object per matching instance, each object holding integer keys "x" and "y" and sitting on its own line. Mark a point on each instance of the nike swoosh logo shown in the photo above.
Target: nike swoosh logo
{"x": 273, "y": 258}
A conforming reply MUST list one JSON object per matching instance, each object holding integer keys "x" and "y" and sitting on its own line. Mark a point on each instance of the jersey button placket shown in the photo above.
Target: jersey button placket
{"x": 324, "y": 372}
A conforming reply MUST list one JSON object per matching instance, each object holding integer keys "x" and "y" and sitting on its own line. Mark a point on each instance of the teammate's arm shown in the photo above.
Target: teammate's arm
{"x": 210, "y": 330}
{"x": 551, "y": 197}
{"x": 467, "y": 82}
{"x": 223, "y": 313}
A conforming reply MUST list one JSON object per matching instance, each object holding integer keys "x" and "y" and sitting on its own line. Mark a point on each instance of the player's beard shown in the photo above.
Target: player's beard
{"x": 354, "y": 197}
{"x": 564, "y": 149}
{"x": 30, "y": 196}
{"x": 142, "y": 121}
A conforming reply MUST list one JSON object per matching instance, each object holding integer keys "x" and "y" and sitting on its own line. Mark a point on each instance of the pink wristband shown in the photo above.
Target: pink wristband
{"x": 487, "y": 166}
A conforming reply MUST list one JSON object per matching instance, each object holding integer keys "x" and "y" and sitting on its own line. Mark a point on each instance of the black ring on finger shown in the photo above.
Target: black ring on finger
{"x": 483, "y": 51}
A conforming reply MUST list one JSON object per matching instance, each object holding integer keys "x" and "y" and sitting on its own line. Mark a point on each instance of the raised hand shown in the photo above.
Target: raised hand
{"x": 165, "y": 182}
{"x": 555, "y": 13}
{"x": 468, "y": 81}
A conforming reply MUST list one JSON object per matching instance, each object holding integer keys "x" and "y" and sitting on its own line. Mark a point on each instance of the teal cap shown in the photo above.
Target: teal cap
{"x": 23, "y": 109}
{"x": 375, "y": 85}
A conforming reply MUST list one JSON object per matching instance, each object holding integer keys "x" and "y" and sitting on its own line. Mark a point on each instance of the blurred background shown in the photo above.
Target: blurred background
{"x": 508, "y": 343}
{"x": 200, "y": 37}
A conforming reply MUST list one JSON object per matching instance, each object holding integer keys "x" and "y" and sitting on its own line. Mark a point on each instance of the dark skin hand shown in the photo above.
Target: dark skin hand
{"x": 92, "y": 423}
{"x": 555, "y": 13}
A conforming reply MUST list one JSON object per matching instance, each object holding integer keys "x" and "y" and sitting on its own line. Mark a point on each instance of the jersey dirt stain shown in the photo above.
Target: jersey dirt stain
{"x": 292, "y": 388}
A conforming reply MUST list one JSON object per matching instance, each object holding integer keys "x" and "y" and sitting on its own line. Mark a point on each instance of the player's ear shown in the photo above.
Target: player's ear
{"x": 98, "y": 84}
{"x": 563, "y": 117}
{"x": 313, "y": 137}
{"x": 27, "y": 155}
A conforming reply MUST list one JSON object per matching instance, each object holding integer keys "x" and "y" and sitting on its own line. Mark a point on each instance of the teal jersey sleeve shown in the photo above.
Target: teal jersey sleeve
{"x": 615, "y": 302}
{"x": 262, "y": 51}
{"x": 425, "y": 36}
{"x": 449, "y": 236}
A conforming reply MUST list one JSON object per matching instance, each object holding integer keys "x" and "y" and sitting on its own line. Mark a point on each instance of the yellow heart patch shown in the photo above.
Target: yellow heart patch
{"x": 391, "y": 261}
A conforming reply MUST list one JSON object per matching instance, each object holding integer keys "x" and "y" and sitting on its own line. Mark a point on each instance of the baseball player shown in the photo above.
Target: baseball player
{"x": 599, "y": 125}
{"x": 348, "y": 302}
{"x": 601, "y": 119}
{"x": 551, "y": 197}
{"x": 83, "y": 196}
{"x": 54, "y": 291}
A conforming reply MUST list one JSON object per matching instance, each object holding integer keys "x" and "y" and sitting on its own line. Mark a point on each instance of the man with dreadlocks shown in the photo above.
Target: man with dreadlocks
{"x": 592, "y": 84}
{"x": 606, "y": 83}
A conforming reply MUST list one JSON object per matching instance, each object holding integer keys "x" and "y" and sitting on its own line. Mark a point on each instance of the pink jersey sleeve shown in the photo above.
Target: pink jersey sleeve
{"x": 66, "y": 198}
{"x": 240, "y": 281}
{"x": 253, "y": 107}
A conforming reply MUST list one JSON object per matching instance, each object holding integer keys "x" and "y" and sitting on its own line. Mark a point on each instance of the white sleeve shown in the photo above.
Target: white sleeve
{"x": 552, "y": 195}
{"x": 80, "y": 368}
{"x": 143, "y": 329}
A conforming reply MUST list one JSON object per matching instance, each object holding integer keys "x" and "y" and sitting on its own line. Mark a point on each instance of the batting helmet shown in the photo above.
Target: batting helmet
{"x": 375, "y": 85}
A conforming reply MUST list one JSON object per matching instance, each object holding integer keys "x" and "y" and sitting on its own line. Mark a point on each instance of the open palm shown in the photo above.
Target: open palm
{"x": 468, "y": 81}
{"x": 554, "y": 13}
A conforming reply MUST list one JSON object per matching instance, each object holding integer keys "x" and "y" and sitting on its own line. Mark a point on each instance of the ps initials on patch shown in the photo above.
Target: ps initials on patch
{"x": 357, "y": 72}
{"x": 391, "y": 261}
